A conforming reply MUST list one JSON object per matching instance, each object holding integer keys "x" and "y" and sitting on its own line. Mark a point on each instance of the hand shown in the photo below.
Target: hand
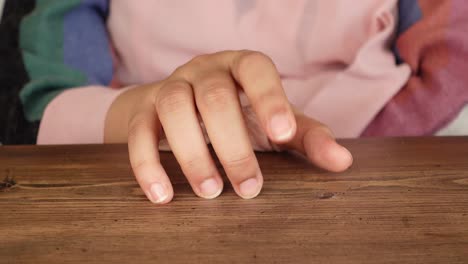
{"x": 207, "y": 88}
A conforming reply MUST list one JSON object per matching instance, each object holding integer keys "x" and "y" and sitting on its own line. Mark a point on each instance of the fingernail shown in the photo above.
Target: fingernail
{"x": 158, "y": 193}
{"x": 210, "y": 188}
{"x": 249, "y": 188}
{"x": 281, "y": 126}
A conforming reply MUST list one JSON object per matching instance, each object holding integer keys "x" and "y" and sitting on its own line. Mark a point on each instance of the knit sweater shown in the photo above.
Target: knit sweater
{"x": 366, "y": 68}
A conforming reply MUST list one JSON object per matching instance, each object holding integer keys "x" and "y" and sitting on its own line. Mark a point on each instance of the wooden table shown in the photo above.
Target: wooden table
{"x": 403, "y": 201}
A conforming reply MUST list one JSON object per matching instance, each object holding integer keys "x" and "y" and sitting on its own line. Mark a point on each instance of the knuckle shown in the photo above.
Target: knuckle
{"x": 199, "y": 61}
{"x": 271, "y": 98}
{"x": 321, "y": 129}
{"x": 179, "y": 71}
{"x": 138, "y": 123}
{"x": 174, "y": 97}
{"x": 326, "y": 130}
{"x": 241, "y": 161}
{"x": 195, "y": 166}
{"x": 141, "y": 164}
{"x": 189, "y": 69}
{"x": 217, "y": 93}
{"x": 249, "y": 59}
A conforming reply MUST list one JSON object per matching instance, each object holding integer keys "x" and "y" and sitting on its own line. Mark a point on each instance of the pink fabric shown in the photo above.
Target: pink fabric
{"x": 437, "y": 51}
{"x": 333, "y": 56}
{"x": 338, "y": 71}
{"x": 77, "y": 116}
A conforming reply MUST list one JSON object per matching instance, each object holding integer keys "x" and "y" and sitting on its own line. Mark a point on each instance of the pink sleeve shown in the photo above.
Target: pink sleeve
{"x": 77, "y": 116}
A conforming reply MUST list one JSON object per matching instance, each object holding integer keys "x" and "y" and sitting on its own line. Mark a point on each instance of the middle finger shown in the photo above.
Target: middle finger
{"x": 176, "y": 110}
{"x": 217, "y": 100}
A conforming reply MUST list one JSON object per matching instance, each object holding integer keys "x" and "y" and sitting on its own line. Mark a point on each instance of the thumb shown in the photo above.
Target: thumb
{"x": 316, "y": 141}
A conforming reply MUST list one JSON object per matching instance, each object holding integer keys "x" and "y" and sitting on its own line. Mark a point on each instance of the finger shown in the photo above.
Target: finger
{"x": 176, "y": 109}
{"x": 217, "y": 100}
{"x": 144, "y": 156}
{"x": 260, "y": 80}
{"x": 317, "y": 142}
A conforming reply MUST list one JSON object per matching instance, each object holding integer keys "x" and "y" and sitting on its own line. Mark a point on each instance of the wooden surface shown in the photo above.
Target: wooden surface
{"x": 403, "y": 201}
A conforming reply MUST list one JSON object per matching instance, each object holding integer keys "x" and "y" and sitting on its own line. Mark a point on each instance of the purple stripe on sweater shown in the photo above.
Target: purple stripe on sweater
{"x": 438, "y": 89}
{"x": 455, "y": 75}
{"x": 86, "y": 43}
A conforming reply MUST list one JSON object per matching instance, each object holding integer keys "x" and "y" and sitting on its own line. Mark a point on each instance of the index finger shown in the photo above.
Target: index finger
{"x": 143, "y": 136}
{"x": 261, "y": 82}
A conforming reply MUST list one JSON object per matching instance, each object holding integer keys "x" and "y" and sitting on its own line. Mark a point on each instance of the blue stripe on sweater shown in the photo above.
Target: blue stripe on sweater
{"x": 409, "y": 13}
{"x": 86, "y": 42}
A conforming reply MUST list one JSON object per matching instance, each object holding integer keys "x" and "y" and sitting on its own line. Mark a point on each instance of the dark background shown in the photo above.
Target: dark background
{"x": 14, "y": 129}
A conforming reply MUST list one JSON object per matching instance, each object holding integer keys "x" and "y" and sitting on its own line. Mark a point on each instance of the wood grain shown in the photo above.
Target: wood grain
{"x": 405, "y": 200}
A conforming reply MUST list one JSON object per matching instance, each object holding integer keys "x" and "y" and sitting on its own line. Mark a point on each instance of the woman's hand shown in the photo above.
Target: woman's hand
{"x": 206, "y": 89}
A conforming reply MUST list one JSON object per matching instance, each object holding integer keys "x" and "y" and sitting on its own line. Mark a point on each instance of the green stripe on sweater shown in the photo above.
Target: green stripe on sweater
{"x": 41, "y": 42}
